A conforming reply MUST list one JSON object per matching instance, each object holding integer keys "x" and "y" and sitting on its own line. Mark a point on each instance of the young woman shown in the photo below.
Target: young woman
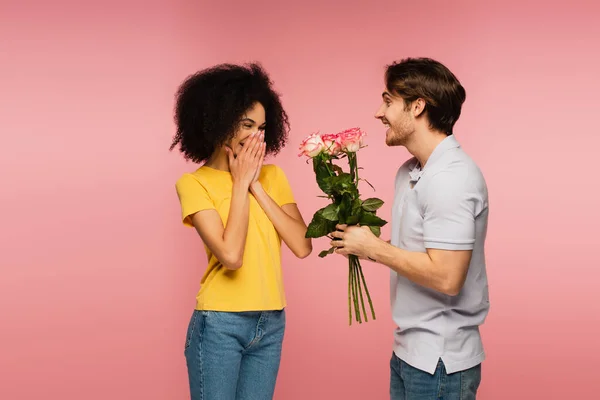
{"x": 228, "y": 118}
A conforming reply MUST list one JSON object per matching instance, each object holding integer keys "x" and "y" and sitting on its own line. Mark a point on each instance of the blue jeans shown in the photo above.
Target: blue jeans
{"x": 234, "y": 355}
{"x": 409, "y": 383}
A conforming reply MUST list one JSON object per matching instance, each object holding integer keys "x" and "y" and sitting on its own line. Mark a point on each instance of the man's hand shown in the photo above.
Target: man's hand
{"x": 356, "y": 240}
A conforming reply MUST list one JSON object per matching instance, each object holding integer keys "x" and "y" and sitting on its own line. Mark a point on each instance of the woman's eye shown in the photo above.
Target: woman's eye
{"x": 248, "y": 126}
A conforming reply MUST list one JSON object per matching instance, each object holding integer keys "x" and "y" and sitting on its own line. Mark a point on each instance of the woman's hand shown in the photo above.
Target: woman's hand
{"x": 244, "y": 167}
{"x": 261, "y": 156}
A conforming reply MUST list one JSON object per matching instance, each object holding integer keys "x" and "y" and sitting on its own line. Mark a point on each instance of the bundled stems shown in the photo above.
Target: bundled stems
{"x": 357, "y": 279}
{"x": 356, "y": 282}
{"x": 366, "y": 290}
{"x": 362, "y": 301}
{"x": 350, "y": 281}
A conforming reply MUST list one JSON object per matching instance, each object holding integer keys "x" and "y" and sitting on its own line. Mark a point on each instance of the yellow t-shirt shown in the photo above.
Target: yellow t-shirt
{"x": 258, "y": 284}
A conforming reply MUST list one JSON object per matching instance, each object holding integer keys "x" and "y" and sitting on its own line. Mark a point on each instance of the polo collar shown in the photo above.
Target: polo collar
{"x": 448, "y": 143}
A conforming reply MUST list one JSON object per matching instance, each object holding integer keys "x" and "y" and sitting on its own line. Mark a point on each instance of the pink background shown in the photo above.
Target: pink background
{"x": 99, "y": 276}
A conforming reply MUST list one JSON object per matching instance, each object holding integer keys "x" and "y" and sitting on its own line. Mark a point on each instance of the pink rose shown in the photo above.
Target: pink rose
{"x": 351, "y": 139}
{"x": 332, "y": 143}
{"x": 312, "y": 146}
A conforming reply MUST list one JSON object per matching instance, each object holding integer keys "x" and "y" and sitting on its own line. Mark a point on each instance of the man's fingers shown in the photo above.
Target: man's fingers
{"x": 337, "y": 234}
{"x": 341, "y": 251}
{"x": 337, "y": 243}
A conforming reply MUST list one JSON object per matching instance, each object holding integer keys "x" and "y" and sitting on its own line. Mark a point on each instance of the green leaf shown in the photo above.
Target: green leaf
{"x": 345, "y": 210}
{"x": 325, "y": 253}
{"x": 330, "y": 212}
{"x": 369, "y": 219}
{"x": 318, "y": 227}
{"x": 355, "y": 211}
{"x": 357, "y": 207}
{"x": 322, "y": 174}
{"x": 376, "y": 230}
{"x": 341, "y": 184}
{"x": 352, "y": 219}
{"x": 372, "y": 204}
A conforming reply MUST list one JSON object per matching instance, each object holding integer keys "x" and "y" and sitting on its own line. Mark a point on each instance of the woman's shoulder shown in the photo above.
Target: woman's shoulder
{"x": 272, "y": 172}
{"x": 203, "y": 174}
{"x": 199, "y": 178}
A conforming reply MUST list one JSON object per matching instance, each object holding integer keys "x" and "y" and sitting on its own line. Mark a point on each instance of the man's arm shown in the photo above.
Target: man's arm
{"x": 441, "y": 270}
{"x": 450, "y": 204}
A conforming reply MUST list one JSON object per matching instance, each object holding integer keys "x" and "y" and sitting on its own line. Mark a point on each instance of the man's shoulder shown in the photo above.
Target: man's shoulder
{"x": 459, "y": 171}
{"x": 458, "y": 163}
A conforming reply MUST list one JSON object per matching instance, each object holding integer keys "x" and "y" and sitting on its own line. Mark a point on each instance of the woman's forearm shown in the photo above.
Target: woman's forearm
{"x": 291, "y": 230}
{"x": 236, "y": 229}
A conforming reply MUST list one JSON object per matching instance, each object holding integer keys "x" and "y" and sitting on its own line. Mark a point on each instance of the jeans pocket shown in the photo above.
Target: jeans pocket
{"x": 191, "y": 328}
{"x": 469, "y": 383}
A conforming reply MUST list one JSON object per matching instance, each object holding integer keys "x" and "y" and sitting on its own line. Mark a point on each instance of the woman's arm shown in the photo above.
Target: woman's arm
{"x": 287, "y": 220}
{"x": 227, "y": 243}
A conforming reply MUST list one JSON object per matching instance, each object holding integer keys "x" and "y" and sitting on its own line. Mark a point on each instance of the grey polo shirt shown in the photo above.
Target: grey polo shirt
{"x": 443, "y": 206}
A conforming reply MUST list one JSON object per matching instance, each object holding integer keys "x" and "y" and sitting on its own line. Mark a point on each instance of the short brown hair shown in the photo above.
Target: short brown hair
{"x": 430, "y": 80}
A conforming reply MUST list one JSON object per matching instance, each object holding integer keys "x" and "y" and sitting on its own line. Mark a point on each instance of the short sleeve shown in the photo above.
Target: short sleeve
{"x": 281, "y": 190}
{"x": 450, "y": 203}
{"x": 193, "y": 197}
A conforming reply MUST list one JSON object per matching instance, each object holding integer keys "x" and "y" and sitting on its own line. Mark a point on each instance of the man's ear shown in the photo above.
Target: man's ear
{"x": 418, "y": 107}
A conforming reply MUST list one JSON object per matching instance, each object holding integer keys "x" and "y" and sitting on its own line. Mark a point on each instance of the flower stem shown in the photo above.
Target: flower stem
{"x": 352, "y": 289}
{"x": 356, "y": 170}
{"x": 356, "y": 285}
{"x": 362, "y": 300}
{"x": 366, "y": 291}
{"x": 350, "y": 278}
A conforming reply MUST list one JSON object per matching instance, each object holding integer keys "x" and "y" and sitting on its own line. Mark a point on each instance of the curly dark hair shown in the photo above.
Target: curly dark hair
{"x": 211, "y": 103}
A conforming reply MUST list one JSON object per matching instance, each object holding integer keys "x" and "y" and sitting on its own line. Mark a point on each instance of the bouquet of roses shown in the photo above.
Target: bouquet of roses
{"x": 346, "y": 207}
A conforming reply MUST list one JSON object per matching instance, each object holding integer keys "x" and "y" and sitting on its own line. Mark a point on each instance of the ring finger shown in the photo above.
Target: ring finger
{"x": 337, "y": 243}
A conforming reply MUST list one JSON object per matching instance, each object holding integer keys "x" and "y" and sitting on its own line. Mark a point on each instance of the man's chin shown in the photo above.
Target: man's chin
{"x": 390, "y": 142}
{"x": 389, "y": 138}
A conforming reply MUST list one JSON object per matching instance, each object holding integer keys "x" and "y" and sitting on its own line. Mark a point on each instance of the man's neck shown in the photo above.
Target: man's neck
{"x": 422, "y": 144}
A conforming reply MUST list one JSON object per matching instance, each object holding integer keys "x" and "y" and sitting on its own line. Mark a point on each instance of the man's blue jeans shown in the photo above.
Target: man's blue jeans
{"x": 409, "y": 383}
{"x": 234, "y": 355}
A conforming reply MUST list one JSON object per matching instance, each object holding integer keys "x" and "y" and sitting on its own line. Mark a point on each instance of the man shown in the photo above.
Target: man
{"x": 439, "y": 287}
